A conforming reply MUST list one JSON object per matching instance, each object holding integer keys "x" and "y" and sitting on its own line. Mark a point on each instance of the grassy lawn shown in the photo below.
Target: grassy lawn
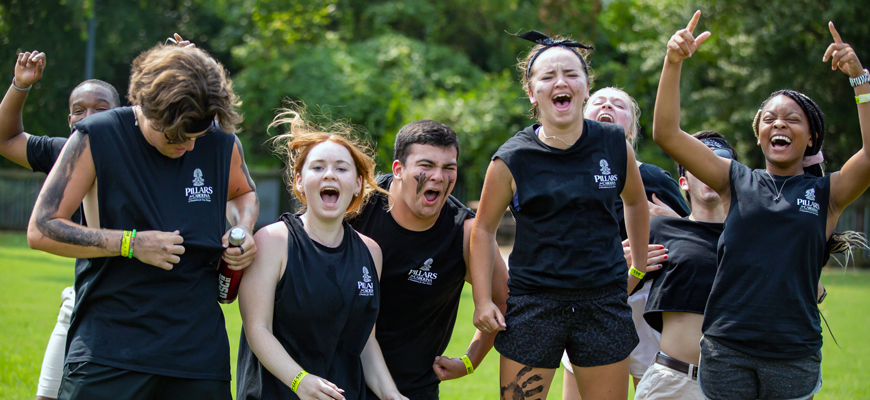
{"x": 33, "y": 282}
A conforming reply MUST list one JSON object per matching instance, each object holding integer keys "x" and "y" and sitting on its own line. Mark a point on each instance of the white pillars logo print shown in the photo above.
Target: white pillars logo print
{"x": 199, "y": 192}
{"x": 366, "y": 288}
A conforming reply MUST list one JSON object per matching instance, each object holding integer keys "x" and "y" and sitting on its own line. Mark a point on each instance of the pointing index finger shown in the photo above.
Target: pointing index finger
{"x": 834, "y": 33}
{"x": 694, "y": 22}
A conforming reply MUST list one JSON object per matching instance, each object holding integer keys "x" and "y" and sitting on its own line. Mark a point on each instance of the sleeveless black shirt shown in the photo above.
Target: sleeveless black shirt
{"x": 684, "y": 282}
{"x": 326, "y": 304}
{"x": 139, "y": 317}
{"x": 567, "y": 233}
{"x": 422, "y": 281}
{"x": 771, "y": 255}
{"x": 659, "y": 182}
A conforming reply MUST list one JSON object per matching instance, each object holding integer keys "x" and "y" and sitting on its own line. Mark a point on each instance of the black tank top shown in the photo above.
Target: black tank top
{"x": 683, "y": 284}
{"x": 326, "y": 304}
{"x": 771, "y": 255}
{"x": 422, "y": 281}
{"x": 565, "y": 206}
{"x": 139, "y": 317}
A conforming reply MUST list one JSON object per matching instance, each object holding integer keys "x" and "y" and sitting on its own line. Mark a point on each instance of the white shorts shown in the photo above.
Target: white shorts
{"x": 662, "y": 383}
{"x": 645, "y": 352}
{"x": 52, "y": 363}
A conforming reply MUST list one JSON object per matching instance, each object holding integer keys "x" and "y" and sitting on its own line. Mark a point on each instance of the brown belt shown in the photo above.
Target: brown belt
{"x": 690, "y": 370}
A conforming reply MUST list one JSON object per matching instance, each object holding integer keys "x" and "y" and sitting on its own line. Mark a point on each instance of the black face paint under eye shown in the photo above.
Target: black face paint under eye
{"x": 421, "y": 181}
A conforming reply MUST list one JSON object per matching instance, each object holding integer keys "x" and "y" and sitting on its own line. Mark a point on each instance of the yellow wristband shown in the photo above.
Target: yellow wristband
{"x": 297, "y": 379}
{"x": 863, "y": 98}
{"x": 637, "y": 274}
{"x": 469, "y": 367}
{"x": 125, "y": 243}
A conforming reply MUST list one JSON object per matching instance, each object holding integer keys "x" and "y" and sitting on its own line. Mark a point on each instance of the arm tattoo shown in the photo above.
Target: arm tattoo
{"x": 421, "y": 181}
{"x": 245, "y": 166}
{"x": 52, "y": 195}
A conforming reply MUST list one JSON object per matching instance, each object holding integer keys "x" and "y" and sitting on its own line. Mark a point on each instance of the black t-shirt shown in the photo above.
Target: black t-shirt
{"x": 684, "y": 282}
{"x": 659, "y": 182}
{"x": 326, "y": 304}
{"x": 771, "y": 255}
{"x": 421, "y": 282}
{"x": 139, "y": 317}
{"x": 567, "y": 233}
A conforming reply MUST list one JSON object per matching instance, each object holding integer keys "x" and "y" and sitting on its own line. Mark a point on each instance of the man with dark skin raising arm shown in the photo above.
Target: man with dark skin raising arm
{"x": 164, "y": 169}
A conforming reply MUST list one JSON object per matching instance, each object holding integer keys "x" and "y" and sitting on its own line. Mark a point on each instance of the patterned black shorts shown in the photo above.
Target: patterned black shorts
{"x": 594, "y": 326}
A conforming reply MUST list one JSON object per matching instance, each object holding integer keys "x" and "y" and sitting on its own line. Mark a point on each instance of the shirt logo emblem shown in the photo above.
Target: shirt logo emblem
{"x": 606, "y": 180}
{"x": 422, "y": 275}
{"x": 808, "y": 203}
{"x": 366, "y": 288}
{"x": 199, "y": 192}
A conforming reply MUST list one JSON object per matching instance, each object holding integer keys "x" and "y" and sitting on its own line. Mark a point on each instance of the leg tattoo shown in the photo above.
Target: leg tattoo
{"x": 529, "y": 387}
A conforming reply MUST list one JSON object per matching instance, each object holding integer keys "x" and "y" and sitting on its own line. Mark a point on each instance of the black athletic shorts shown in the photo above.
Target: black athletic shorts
{"x": 594, "y": 326}
{"x": 89, "y": 381}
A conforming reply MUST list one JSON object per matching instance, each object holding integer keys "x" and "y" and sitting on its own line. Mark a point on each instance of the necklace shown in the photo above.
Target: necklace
{"x": 779, "y": 192}
{"x": 311, "y": 233}
{"x": 554, "y": 137}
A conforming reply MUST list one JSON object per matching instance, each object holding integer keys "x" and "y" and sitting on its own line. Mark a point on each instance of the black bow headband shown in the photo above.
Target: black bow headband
{"x": 548, "y": 42}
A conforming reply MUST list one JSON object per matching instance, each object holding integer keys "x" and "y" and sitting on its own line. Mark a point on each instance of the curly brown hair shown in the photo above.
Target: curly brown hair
{"x": 302, "y": 136}
{"x": 523, "y": 64}
{"x": 178, "y": 87}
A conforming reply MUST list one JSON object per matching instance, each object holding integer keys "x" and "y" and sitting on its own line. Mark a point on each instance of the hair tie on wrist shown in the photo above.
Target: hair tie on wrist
{"x": 27, "y": 89}
{"x": 548, "y": 42}
{"x": 814, "y": 159}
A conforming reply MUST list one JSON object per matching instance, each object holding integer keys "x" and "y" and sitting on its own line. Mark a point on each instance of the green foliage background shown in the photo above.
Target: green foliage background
{"x": 381, "y": 64}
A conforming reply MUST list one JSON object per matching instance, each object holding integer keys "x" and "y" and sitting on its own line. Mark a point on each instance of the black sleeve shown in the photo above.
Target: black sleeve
{"x": 43, "y": 152}
{"x": 661, "y": 183}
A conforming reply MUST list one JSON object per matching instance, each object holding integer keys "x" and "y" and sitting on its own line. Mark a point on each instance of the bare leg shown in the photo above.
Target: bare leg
{"x": 636, "y": 381}
{"x": 569, "y": 387}
{"x": 605, "y": 382}
{"x": 519, "y": 382}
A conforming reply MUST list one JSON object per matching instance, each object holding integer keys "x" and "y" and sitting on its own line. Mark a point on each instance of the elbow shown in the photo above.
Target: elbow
{"x": 34, "y": 236}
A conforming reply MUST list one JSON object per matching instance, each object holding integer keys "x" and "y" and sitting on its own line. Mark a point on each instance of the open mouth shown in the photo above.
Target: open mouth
{"x": 606, "y": 118}
{"x": 431, "y": 195}
{"x": 779, "y": 142}
{"x": 562, "y": 101}
{"x": 329, "y": 196}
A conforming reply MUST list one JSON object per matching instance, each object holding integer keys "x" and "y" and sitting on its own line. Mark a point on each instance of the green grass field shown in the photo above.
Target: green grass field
{"x": 32, "y": 283}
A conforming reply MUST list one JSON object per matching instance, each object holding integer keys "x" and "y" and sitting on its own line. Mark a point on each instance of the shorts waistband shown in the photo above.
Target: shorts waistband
{"x": 580, "y": 294}
{"x": 691, "y": 370}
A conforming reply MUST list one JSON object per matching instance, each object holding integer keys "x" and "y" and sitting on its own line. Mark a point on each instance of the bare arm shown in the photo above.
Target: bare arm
{"x": 243, "y": 207}
{"x": 13, "y": 139}
{"x": 854, "y": 178}
{"x": 683, "y": 148}
{"x": 494, "y": 199}
{"x": 257, "y": 304}
{"x": 636, "y": 215}
{"x": 481, "y": 343}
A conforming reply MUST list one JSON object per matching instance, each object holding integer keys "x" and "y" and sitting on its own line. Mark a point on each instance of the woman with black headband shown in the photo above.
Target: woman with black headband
{"x": 762, "y": 332}
{"x": 561, "y": 177}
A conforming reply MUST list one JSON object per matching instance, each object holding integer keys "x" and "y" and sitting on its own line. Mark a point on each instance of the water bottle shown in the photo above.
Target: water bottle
{"x": 228, "y": 279}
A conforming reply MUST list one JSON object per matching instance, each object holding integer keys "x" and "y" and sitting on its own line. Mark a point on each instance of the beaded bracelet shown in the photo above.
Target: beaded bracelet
{"x": 132, "y": 242}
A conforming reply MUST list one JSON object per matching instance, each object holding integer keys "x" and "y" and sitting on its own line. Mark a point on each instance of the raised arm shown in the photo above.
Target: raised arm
{"x": 243, "y": 207}
{"x": 851, "y": 181}
{"x": 257, "y": 305}
{"x": 13, "y": 139}
{"x": 683, "y": 148}
{"x": 496, "y": 195}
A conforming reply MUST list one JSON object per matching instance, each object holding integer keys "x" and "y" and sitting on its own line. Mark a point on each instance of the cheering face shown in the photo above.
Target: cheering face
{"x": 89, "y": 99}
{"x": 783, "y": 132}
{"x": 613, "y": 106}
{"x": 328, "y": 180}
{"x": 428, "y": 177}
{"x": 559, "y": 87}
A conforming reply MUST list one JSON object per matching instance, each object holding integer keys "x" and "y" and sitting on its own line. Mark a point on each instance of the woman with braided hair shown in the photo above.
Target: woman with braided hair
{"x": 762, "y": 331}
{"x": 562, "y": 178}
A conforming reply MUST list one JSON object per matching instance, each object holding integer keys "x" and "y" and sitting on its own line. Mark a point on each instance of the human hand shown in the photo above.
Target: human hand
{"x": 242, "y": 256}
{"x": 656, "y": 253}
{"x": 449, "y": 368}
{"x": 28, "y": 68}
{"x": 488, "y": 318}
{"x": 315, "y": 387}
{"x": 658, "y": 207}
{"x": 160, "y": 249}
{"x": 393, "y": 395}
{"x": 842, "y": 55}
{"x": 176, "y": 38}
{"x": 682, "y": 45}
